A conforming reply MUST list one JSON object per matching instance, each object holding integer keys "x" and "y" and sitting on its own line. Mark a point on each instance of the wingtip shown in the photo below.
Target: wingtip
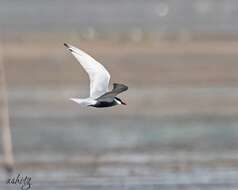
{"x": 66, "y": 45}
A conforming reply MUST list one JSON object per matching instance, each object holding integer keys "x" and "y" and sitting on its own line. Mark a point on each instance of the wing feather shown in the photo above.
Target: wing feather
{"x": 98, "y": 75}
{"x": 109, "y": 96}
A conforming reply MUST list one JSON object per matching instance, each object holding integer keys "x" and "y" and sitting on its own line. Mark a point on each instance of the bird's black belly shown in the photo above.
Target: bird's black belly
{"x": 104, "y": 104}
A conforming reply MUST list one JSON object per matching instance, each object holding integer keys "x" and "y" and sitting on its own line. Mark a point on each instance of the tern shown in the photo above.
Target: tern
{"x": 99, "y": 80}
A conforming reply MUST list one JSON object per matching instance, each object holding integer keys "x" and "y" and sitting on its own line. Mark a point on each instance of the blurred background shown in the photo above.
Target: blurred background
{"x": 179, "y": 59}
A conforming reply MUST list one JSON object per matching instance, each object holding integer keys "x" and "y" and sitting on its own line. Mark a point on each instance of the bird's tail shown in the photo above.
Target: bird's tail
{"x": 83, "y": 102}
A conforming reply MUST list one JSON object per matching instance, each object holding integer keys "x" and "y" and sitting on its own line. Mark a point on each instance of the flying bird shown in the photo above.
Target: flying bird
{"x": 99, "y": 80}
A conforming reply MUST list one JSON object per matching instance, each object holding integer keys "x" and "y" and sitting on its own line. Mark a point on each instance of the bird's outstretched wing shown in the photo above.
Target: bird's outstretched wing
{"x": 109, "y": 96}
{"x": 98, "y": 75}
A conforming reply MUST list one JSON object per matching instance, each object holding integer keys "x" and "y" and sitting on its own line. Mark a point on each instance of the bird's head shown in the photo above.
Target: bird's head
{"x": 119, "y": 101}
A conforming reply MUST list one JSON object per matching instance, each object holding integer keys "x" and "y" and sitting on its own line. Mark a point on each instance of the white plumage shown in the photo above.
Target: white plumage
{"x": 98, "y": 75}
{"x": 99, "y": 81}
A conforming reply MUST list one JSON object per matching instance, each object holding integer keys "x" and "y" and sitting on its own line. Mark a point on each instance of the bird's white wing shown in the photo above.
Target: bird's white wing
{"x": 98, "y": 75}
